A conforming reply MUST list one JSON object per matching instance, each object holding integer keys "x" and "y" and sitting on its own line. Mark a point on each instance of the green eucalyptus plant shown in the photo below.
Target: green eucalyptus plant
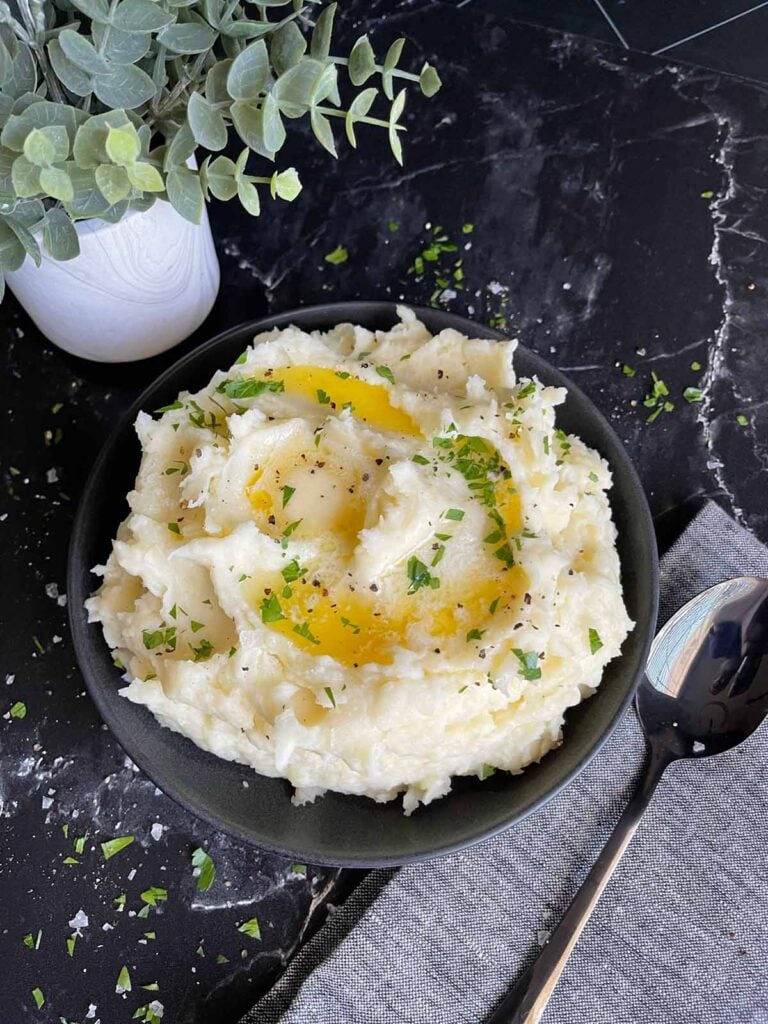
{"x": 104, "y": 102}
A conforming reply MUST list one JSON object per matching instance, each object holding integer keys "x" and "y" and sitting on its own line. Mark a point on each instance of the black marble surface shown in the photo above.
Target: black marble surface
{"x": 619, "y": 216}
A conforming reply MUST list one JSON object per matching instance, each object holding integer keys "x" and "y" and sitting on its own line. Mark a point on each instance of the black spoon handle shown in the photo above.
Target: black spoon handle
{"x": 525, "y": 1003}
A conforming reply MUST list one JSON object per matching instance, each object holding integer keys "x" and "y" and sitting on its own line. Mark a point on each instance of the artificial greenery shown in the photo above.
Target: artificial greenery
{"x": 104, "y": 102}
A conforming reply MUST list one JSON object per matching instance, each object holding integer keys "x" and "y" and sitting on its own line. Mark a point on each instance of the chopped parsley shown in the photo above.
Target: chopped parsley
{"x": 323, "y": 397}
{"x": 292, "y": 572}
{"x": 386, "y": 373}
{"x": 37, "y": 995}
{"x": 467, "y": 229}
{"x": 487, "y": 771}
{"x": 271, "y": 610}
{"x": 595, "y": 643}
{"x": 593, "y": 477}
{"x": 306, "y": 632}
{"x": 742, "y": 420}
{"x": 628, "y": 371}
{"x": 657, "y": 399}
{"x": 175, "y": 528}
{"x": 342, "y": 374}
{"x": 420, "y": 460}
{"x": 288, "y": 531}
{"x": 207, "y": 869}
{"x": 456, "y": 514}
{"x": 527, "y": 390}
{"x": 248, "y": 387}
{"x": 19, "y": 709}
{"x": 251, "y": 928}
{"x": 349, "y": 624}
{"x": 329, "y": 695}
{"x": 493, "y": 605}
{"x": 529, "y": 664}
{"x": 241, "y": 358}
{"x": 420, "y": 576}
{"x": 475, "y": 634}
{"x": 298, "y": 869}
{"x": 288, "y": 493}
{"x": 163, "y": 637}
{"x": 196, "y": 626}
{"x": 71, "y": 940}
{"x": 221, "y": 959}
{"x": 113, "y": 846}
{"x": 204, "y": 651}
{"x": 171, "y": 407}
{"x": 338, "y": 255}
{"x": 33, "y": 941}
{"x": 695, "y": 365}
{"x": 693, "y": 394}
{"x": 438, "y": 555}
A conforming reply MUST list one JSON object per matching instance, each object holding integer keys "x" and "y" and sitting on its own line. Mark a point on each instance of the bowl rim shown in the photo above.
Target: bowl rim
{"x": 346, "y": 311}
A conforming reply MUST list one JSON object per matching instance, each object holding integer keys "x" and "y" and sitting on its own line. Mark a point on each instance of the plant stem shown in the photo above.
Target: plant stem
{"x": 332, "y": 112}
{"x": 395, "y": 72}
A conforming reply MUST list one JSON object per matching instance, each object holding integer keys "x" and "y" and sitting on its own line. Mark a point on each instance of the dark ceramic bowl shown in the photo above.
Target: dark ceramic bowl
{"x": 336, "y": 829}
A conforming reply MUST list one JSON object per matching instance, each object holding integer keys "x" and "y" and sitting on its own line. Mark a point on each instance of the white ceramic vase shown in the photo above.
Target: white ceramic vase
{"x": 137, "y": 288}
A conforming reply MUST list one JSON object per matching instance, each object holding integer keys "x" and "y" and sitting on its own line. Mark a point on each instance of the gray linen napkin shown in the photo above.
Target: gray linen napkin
{"x": 680, "y": 935}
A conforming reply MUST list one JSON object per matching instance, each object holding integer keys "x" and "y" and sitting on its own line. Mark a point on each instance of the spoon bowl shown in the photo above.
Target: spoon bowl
{"x": 705, "y": 688}
{"x": 704, "y": 691}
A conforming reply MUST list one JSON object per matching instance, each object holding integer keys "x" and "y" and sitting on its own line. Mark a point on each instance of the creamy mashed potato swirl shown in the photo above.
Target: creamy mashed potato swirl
{"x": 365, "y": 562}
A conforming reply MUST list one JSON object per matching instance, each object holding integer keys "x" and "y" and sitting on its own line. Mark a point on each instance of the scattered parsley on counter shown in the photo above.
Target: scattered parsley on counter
{"x": 123, "y": 981}
{"x": 657, "y": 398}
{"x": 251, "y": 928}
{"x": 339, "y": 255}
{"x": 19, "y": 710}
{"x": 271, "y": 610}
{"x": 33, "y": 941}
{"x": 113, "y": 846}
{"x": 695, "y": 365}
{"x": 37, "y": 995}
{"x": 206, "y": 869}
{"x": 742, "y": 420}
{"x": 299, "y": 869}
{"x": 709, "y": 194}
{"x": 71, "y": 940}
{"x": 693, "y": 394}
{"x": 628, "y": 371}
{"x": 153, "y": 895}
{"x": 595, "y": 643}
{"x": 529, "y": 664}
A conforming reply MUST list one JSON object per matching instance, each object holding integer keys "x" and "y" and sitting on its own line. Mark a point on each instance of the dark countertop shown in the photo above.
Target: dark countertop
{"x": 619, "y": 216}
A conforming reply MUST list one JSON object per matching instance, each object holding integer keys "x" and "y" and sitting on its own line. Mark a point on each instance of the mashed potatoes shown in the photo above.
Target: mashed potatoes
{"x": 365, "y": 562}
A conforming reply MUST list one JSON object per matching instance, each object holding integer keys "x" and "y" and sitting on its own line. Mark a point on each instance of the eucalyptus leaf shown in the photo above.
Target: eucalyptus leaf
{"x": 185, "y": 194}
{"x": 321, "y": 35}
{"x": 71, "y": 76}
{"x": 82, "y": 52}
{"x": 248, "y": 119}
{"x": 287, "y": 47}
{"x": 124, "y": 87}
{"x": 429, "y": 80}
{"x": 90, "y": 148}
{"x": 220, "y": 178}
{"x": 49, "y": 145}
{"x": 118, "y": 46}
{"x": 216, "y": 82}
{"x": 390, "y": 63}
{"x": 358, "y": 108}
{"x": 362, "y": 61}
{"x": 303, "y": 86}
{"x": 28, "y": 212}
{"x": 245, "y": 29}
{"x": 114, "y": 214}
{"x": 21, "y": 77}
{"x": 272, "y": 125}
{"x": 394, "y": 139}
{"x": 27, "y": 239}
{"x": 145, "y": 177}
{"x": 87, "y": 200}
{"x": 113, "y": 183}
{"x": 97, "y": 10}
{"x": 56, "y": 183}
{"x": 249, "y": 72}
{"x": 5, "y": 61}
{"x": 248, "y": 195}
{"x": 190, "y": 37}
{"x": 181, "y": 147}
{"x": 25, "y": 177}
{"x": 6, "y": 183}
{"x": 59, "y": 235}
{"x": 12, "y": 252}
{"x": 123, "y": 146}
{"x": 321, "y": 128}
{"x": 206, "y": 123}
{"x": 140, "y": 16}
{"x": 285, "y": 185}
{"x": 39, "y": 114}
{"x": 6, "y": 105}
{"x": 142, "y": 203}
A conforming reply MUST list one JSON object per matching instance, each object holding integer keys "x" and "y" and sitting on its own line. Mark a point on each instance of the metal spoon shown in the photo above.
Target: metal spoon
{"x": 704, "y": 691}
